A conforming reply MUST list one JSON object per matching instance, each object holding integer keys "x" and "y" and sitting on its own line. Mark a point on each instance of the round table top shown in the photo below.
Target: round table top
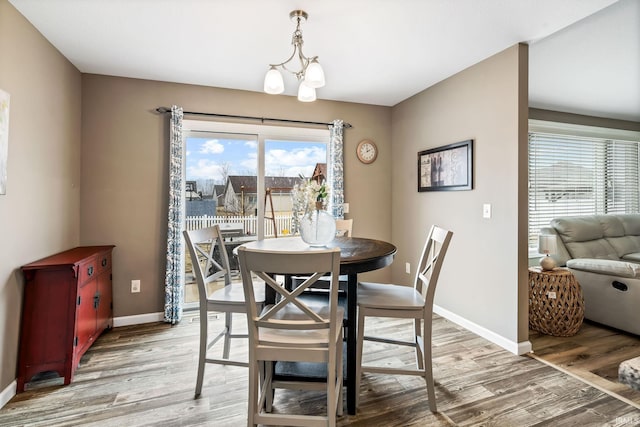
{"x": 357, "y": 254}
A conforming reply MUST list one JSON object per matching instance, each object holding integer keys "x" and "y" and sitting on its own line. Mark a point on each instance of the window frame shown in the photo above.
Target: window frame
{"x": 264, "y": 133}
{"x": 600, "y": 136}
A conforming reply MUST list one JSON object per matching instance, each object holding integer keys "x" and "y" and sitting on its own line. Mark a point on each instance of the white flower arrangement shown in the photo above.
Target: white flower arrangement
{"x": 308, "y": 195}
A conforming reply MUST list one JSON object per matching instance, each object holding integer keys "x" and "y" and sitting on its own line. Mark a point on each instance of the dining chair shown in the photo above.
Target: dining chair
{"x": 344, "y": 227}
{"x": 397, "y": 301}
{"x": 207, "y": 268}
{"x": 292, "y": 331}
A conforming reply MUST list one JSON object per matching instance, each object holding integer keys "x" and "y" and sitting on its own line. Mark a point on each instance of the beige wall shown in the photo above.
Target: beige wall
{"x": 40, "y": 214}
{"x": 483, "y": 280}
{"x": 125, "y": 168}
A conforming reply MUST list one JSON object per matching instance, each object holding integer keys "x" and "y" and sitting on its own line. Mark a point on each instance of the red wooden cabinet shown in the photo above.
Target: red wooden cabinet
{"x": 67, "y": 305}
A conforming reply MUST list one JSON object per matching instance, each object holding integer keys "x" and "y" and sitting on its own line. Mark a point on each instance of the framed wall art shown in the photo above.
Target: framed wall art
{"x": 446, "y": 168}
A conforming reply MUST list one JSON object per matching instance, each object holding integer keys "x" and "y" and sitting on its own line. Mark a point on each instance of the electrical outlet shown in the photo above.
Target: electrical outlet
{"x": 407, "y": 268}
{"x": 345, "y": 207}
{"x": 135, "y": 286}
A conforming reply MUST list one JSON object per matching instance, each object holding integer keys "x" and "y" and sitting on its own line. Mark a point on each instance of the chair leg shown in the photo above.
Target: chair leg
{"x": 252, "y": 404}
{"x": 267, "y": 385}
{"x": 360, "y": 341}
{"x": 417, "y": 338}
{"x": 428, "y": 368}
{"x": 331, "y": 390}
{"x": 228, "y": 319}
{"x": 340, "y": 376}
{"x": 202, "y": 353}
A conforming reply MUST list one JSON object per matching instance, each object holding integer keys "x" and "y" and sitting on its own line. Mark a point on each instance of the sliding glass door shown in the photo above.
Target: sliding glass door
{"x": 241, "y": 176}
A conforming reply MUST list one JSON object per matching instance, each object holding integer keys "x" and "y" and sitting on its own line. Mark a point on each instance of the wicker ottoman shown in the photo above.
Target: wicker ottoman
{"x": 556, "y": 305}
{"x": 629, "y": 373}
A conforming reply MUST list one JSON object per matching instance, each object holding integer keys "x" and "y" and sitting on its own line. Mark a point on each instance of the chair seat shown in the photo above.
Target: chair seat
{"x": 389, "y": 296}
{"x": 235, "y": 294}
{"x": 320, "y": 297}
{"x": 300, "y": 338}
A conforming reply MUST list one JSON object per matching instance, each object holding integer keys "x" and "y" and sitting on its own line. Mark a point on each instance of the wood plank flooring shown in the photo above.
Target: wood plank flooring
{"x": 593, "y": 354}
{"x": 144, "y": 375}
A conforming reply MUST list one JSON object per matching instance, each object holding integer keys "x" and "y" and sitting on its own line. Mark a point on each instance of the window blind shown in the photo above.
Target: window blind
{"x": 578, "y": 175}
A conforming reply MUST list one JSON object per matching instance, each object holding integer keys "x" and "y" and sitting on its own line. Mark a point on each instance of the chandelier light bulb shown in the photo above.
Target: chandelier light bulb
{"x": 273, "y": 82}
{"x": 306, "y": 93}
{"x": 314, "y": 75}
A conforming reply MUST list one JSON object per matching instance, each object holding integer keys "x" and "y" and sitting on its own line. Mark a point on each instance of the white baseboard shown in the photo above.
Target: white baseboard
{"x": 7, "y": 394}
{"x": 518, "y": 348}
{"x": 137, "y": 319}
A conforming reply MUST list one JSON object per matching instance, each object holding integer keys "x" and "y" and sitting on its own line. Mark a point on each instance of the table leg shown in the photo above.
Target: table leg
{"x": 352, "y": 308}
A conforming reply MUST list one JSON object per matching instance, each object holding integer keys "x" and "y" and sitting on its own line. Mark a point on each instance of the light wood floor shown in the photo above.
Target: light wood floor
{"x": 593, "y": 354}
{"x": 144, "y": 375}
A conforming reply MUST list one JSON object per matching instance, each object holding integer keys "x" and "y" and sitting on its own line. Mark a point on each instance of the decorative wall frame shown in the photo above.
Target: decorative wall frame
{"x": 446, "y": 168}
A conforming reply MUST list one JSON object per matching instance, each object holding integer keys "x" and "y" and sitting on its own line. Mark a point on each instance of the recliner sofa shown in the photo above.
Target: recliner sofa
{"x": 603, "y": 253}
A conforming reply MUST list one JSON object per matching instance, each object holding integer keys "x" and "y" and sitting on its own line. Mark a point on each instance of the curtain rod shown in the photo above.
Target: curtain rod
{"x": 164, "y": 110}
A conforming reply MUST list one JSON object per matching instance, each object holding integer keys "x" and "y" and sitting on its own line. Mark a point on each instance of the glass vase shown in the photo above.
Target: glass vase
{"x": 317, "y": 227}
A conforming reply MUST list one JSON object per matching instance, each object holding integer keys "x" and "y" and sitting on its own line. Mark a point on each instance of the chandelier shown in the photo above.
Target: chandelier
{"x": 310, "y": 75}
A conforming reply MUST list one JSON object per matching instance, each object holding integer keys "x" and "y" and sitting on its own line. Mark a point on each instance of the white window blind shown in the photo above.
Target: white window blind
{"x": 578, "y": 175}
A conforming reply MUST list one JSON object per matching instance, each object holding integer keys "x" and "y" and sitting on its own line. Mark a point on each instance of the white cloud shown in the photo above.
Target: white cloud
{"x": 204, "y": 169}
{"x": 294, "y": 162}
{"x": 212, "y": 146}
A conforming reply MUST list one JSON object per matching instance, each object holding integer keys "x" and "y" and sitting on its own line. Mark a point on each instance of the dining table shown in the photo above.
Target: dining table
{"x": 357, "y": 255}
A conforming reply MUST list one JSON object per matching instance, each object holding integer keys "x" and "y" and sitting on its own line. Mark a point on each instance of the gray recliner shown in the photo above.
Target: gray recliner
{"x": 603, "y": 252}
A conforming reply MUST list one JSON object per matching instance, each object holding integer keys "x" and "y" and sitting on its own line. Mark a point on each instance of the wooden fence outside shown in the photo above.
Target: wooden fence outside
{"x": 283, "y": 223}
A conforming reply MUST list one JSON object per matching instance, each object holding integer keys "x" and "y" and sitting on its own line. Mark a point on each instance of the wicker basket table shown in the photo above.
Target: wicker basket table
{"x": 556, "y": 305}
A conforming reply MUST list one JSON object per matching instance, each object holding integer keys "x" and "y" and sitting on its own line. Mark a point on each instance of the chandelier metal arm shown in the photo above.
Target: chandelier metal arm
{"x": 296, "y": 41}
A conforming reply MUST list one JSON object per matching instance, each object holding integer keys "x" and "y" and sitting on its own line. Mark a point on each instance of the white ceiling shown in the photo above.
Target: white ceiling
{"x": 373, "y": 51}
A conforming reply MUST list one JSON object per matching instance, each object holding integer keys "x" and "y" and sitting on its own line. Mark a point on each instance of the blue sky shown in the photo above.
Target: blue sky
{"x": 205, "y": 156}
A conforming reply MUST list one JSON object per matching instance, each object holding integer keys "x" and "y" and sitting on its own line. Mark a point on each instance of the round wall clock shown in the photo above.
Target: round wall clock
{"x": 366, "y": 151}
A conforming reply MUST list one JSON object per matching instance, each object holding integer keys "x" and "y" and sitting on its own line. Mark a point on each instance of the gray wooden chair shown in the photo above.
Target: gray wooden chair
{"x": 292, "y": 331}
{"x": 207, "y": 267}
{"x": 344, "y": 227}
{"x": 396, "y": 301}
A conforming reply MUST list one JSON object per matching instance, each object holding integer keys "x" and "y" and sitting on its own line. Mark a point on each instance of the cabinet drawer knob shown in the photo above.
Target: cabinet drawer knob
{"x": 104, "y": 262}
{"x": 90, "y": 270}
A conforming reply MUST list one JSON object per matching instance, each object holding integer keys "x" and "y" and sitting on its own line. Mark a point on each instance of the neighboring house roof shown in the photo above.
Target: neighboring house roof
{"x": 250, "y": 182}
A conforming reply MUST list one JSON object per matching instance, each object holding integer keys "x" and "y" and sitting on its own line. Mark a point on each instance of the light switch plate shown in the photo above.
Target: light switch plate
{"x": 486, "y": 210}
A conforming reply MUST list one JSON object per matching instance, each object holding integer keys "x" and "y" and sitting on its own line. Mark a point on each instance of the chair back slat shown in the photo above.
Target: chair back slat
{"x": 431, "y": 261}
{"x": 203, "y": 244}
